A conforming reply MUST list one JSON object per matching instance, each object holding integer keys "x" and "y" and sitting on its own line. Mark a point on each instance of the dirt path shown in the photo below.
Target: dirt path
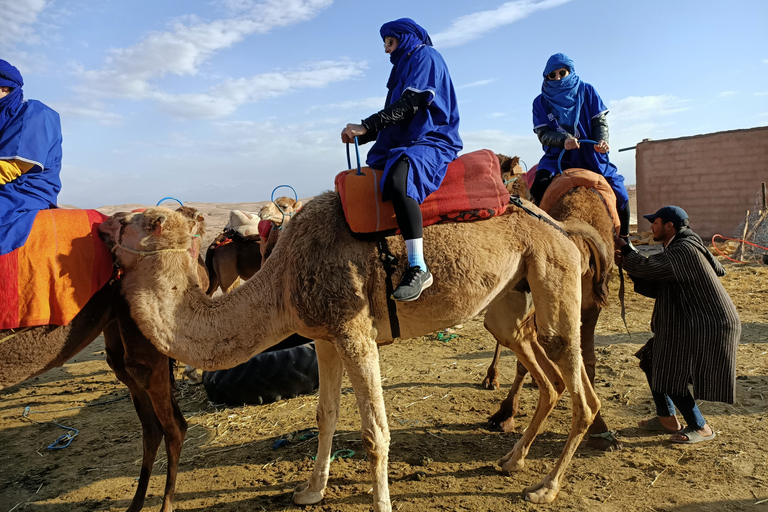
{"x": 442, "y": 455}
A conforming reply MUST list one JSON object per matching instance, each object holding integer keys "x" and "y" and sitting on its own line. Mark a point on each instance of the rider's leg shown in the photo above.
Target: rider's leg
{"x": 541, "y": 181}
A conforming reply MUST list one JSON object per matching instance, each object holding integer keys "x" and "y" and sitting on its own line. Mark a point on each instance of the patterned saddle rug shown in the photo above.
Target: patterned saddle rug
{"x": 55, "y": 273}
{"x": 472, "y": 190}
{"x": 573, "y": 178}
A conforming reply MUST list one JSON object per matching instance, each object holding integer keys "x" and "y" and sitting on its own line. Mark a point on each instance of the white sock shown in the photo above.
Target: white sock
{"x": 415, "y": 248}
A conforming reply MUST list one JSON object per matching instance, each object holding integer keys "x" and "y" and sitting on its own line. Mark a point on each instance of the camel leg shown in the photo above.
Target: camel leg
{"x": 151, "y": 371}
{"x": 152, "y": 433}
{"x": 491, "y": 380}
{"x": 361, "y": 360}
{"x": 504, "y": 418}
{"x": 595, "y": 434}
{"x": 331, "y": 372}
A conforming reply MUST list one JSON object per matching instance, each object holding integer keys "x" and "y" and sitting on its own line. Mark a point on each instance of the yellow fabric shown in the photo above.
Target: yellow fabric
{"x": 12, "y": 169}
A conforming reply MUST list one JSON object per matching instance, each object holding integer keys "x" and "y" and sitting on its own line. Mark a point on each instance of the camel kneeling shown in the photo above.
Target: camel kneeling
{"x": 324, "y": 284}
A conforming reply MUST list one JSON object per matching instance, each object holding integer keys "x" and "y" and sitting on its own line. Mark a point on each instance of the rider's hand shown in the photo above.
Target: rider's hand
{"x": 601, "y": 147}
{"x": 572, "y": 143}
{"x": 351, "y": 131}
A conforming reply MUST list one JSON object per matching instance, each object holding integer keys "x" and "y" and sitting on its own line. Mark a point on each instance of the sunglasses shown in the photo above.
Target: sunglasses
{"x": 554, "y": 74}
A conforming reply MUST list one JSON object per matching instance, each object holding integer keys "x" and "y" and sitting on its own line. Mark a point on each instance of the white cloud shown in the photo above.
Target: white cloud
{"x": 479, "y": 83}
{"x": 494, "y": 115}
{"x": 473, "y": 26}
{"x": 645, "y": 107}
{"x": 189, "y": 43}
{"x": 95, "y": 111}
{"x": 764, "y": 93}
{"x": 728, "y": 94}
{"x": 373, "y": 103}
{"x": 18, "y": 15}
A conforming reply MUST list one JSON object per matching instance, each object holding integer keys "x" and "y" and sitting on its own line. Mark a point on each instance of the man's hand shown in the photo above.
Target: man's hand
{"x": 618, "y": 258}
{"x": 572, "y": 143}
{"x": 351, "y": 131}
{"x": 601, "y": 147}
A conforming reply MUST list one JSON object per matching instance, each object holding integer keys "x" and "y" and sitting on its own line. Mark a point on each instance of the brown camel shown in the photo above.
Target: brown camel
{"x": 327, "y": 285}
{"x": 588, "y": 206}
{"x": 241, "y": 257}
{"x": 27, "y": 352}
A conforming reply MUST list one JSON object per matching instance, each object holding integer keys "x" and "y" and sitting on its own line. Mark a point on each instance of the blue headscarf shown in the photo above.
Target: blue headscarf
{"x": 410, "y": 35}
{"x": 9, "y": 105}
{"x": 563, "y": 96}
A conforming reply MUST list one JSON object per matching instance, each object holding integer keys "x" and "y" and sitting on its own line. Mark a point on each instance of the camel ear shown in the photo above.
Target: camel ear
{"x": 200, "y": 217}
{"x": 157, "y": 225}
{"x": 191, "y": 224}
{"x": 297, "y": 205}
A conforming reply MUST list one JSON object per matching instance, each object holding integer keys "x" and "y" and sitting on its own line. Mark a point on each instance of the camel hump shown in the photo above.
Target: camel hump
{"x": 574, "y": 178}
{"x": 243, "y": 223}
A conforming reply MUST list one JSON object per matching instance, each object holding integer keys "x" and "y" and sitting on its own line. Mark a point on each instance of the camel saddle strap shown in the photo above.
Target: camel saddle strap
{"x": 573, "y": 178}
{"x": 390, "y": 264}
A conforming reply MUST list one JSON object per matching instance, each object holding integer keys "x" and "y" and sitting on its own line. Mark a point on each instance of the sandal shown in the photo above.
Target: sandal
{"x": 692, "y": 436}
{"x": 654, "y": 425}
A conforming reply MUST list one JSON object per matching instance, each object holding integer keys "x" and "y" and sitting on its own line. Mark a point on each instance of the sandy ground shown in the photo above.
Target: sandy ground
{"x": 443, "y": 451}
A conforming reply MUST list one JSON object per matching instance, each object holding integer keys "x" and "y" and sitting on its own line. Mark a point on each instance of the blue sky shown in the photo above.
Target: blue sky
{"x": 223, "y": 100}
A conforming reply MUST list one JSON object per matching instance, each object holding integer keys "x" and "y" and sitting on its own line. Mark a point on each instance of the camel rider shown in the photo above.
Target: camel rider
{"x": 568, "y": 110}
{"x": 30, "y": 159}
{"x": 416, "y": 134}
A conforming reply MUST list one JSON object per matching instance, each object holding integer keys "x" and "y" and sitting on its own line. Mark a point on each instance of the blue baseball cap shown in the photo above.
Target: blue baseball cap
{"x": 673, "y": 214}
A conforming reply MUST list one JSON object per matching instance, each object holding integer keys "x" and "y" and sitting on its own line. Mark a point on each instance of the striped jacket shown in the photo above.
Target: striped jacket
{"x": 695, "y": 324}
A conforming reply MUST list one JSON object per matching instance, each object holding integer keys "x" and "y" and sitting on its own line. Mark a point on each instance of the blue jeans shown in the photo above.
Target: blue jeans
{"x": 665, "y": 406}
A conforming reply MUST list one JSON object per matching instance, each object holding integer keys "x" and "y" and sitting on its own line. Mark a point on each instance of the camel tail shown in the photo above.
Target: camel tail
{"x": 600, "y": 258}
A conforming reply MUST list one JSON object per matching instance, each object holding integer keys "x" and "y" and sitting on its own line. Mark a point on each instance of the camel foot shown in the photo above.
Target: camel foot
{"x": 490, "y": 383}
{"x": 510, "y": 464}
{"x": 303, "y": 496}
{"x": 193, "y": 376}
{"x": 502, "y": 422}
{"x": 543, "y": 492}
{"x": 605, "y": 441}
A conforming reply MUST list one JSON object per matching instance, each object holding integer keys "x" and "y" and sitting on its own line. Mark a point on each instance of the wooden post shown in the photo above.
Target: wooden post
{"x": 765, "y": 200}
{"x": 740, "y": 251}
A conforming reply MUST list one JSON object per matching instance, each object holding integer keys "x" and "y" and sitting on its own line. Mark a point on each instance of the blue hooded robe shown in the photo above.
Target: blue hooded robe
{"x": 430, "y": 139}
{"x": 30, "y": 131}
{"x": 568, "y": 106}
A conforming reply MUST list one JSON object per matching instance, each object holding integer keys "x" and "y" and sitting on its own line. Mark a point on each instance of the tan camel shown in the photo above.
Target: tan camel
{"x": 241, "y": 257}
{"x": 324, "y": 284}
{"x": 588, "y": 206}
{"x": 27, "y": 352}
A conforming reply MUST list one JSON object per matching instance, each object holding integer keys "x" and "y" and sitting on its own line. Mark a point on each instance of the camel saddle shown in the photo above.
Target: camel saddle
{"x": 472, "y": 190}
{"x": 573, "y": 178}
{"x": 49, "y": 279}
{"x": 245, "y": 224}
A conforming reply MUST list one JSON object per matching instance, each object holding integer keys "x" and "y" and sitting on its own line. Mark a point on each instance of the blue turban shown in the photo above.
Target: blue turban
{"x": 9, "y": 105}
{"x": 564, "y": 96}
{"x": 410, "y": 35}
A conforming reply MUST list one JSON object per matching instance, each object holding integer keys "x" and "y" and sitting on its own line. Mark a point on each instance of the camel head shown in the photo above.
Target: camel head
{"x": 280, "y": 210}
{"x": 198, "y": 230}
{"x": 132, "y": 236}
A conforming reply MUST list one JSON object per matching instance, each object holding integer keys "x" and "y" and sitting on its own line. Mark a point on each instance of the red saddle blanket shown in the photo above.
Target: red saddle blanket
{"x": 55, "y": 273}
{"x": 472, "y": 190}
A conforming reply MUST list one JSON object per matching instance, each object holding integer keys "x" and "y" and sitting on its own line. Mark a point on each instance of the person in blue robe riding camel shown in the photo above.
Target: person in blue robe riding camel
{"x": 30, "y": 159}
{"x": 567, "y": 110}
{"x": 416, "y": 134}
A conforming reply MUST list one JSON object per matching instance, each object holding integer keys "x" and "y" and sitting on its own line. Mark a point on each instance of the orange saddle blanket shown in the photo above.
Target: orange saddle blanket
{"x": 56, "y": 272}
{"x": 472, "y": 190}
{"x": 572, "y": 178}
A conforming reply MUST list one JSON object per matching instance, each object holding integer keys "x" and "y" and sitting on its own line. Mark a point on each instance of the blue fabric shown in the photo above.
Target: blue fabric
{"x": 9, "y": 105}
{"x": 32, "y": 135}
{"x": 564, "y": 97}
{"x": 665, "y": 406}
{"x": 585, "y": 157}
{"x": 430, "y": 139}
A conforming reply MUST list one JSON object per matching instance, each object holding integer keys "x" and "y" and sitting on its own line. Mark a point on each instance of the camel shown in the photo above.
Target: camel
{"x": 325, "y": 284}
{"x": 588, "y": 206}
{"x": 28, "y": 352}
{"x": 241, "y": 257}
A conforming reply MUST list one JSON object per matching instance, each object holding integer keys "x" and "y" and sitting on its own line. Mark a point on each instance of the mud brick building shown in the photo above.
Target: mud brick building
{"x": 714, "y": 177}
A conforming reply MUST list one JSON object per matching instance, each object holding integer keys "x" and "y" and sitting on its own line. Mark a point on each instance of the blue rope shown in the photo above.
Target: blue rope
{"x": 272, "y": 198}
{"x": 171, "y": 198}
{"x": 63, "y": 441}
{"x": 559, "y": 158}
{"x": 357, "y": 153}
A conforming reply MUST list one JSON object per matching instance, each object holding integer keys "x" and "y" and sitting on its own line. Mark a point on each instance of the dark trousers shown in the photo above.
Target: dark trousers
{"x": 407, "y": 210}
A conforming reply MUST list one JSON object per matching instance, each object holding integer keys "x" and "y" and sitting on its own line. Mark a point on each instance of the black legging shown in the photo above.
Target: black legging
{"x": 407, "y": 209}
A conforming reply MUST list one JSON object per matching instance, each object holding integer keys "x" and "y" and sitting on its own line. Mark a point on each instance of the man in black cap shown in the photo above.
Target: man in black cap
{"x": 696, "y": 326}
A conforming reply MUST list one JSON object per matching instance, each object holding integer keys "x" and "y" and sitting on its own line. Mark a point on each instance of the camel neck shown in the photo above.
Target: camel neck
{"x": 184, "y": 323}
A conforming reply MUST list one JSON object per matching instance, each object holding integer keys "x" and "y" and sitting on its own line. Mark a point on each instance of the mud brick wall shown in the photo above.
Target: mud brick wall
{"x": 714, "y": 177}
